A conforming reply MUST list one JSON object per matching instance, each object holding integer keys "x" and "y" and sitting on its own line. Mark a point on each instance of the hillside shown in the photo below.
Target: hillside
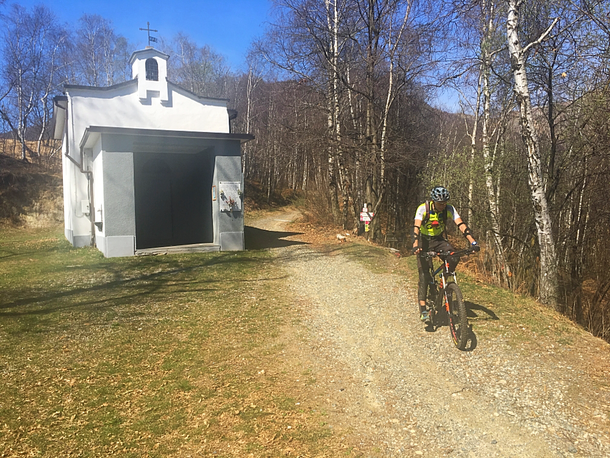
{"x": 30, "y": 195}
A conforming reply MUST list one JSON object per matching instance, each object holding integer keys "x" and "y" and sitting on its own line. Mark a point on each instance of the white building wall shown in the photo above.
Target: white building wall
{"x": 77, "y": 227}
{"x": 138, "y": 71}
{"x": 97, "y": 166}
{"x": 66, "y": 168}
{"x": 126, "y": 110}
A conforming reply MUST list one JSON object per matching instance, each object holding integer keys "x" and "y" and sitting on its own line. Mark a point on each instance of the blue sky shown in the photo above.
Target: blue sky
{"x": 228, "y": 26}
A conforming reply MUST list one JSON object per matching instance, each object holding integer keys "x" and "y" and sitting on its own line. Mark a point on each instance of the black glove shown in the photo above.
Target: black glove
{"x": 414, "y": 249}
{"x": 475, "y": 247}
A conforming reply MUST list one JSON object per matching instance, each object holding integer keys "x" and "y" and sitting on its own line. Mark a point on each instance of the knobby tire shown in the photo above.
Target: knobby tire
{"x": 458, "y": 317}
{"x": 432, "y": 297}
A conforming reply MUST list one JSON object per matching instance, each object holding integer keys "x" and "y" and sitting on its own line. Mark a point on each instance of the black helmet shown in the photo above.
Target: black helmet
{"x": 439, "y": 194}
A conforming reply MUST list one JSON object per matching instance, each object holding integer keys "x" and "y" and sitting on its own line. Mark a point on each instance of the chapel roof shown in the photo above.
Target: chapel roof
{"x": 148, "y": 51}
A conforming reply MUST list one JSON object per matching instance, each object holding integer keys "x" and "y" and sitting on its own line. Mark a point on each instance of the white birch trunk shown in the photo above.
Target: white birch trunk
{"x": 499, "y": 261}
{"x": 334, "y": 171}
{"x": 548, "y": 285}
{"x": 357, "y": 199}
{"x": 249, "y": 92}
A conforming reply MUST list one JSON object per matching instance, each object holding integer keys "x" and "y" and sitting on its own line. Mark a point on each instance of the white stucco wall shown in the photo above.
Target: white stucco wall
{"x": 67, "y": 188}
{"x": 97, "y": 166}
{"x": 77, "y": 226}
{"x": 126, "y": 110}
{"x": 138, "y": 70}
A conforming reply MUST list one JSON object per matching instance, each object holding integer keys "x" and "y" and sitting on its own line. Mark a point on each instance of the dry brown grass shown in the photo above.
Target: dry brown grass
{"x": 178, "y": 355}
{"x": 30, "y": 194}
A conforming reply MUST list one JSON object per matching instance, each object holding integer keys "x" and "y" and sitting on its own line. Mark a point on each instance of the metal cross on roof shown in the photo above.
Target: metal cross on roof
{"x": 148, "y": 29}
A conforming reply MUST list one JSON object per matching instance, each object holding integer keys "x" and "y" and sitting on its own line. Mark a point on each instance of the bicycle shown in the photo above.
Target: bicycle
{"x": 445, "y": 297}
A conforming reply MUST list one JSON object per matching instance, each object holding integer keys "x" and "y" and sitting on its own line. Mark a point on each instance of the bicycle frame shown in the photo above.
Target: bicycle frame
{"x": 447, "y": 296}
{"x": 439, "y": 286}
{"x": 443, "y": 269}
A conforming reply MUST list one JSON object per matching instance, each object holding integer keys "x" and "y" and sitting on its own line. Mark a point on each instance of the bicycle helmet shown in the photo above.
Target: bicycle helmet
{"x": 439, "y": 194}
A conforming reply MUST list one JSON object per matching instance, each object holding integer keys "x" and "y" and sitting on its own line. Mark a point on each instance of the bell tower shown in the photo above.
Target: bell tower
{"x": 149, "y": 67}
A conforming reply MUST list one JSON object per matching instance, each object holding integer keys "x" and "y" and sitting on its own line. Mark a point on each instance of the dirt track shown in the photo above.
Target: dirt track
{"x": 392, "y": 389}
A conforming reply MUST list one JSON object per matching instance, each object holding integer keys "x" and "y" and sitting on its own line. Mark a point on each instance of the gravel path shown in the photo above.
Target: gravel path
{"x": 396, "y": 390}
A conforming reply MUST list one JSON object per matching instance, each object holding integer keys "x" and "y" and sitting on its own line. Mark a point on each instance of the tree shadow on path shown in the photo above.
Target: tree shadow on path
{"x": 260, "y": 239}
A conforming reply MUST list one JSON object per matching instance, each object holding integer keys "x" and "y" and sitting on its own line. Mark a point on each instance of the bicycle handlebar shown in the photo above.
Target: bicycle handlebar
{"x": 432, "y": 254}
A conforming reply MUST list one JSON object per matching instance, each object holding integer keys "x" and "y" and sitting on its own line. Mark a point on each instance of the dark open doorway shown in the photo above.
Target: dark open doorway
{"x": 173, "y": 199}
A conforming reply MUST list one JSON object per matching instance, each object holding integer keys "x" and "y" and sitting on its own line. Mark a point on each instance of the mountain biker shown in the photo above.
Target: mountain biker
{"x": 429, "y": 235}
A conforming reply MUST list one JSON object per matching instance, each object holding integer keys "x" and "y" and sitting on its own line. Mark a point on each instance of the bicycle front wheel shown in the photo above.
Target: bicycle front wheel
{"x": 458, "y": 317}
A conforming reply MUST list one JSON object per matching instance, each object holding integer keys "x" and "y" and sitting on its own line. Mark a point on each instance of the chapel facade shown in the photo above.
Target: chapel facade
{"x": 149, "y": 166}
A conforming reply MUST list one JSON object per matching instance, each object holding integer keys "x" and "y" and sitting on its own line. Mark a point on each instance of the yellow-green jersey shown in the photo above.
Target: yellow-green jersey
{"x": 433, "y": 222}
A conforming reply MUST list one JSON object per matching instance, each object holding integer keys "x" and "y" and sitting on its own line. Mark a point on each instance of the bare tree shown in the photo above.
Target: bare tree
{"x": 100, "y": 56}
{"x": 361, "y": 56}
{"x": 548, "y": 259}
{"x": 198, "y": 68}
{"x": 30, "y": 46}
{"x": 252, "y": 80}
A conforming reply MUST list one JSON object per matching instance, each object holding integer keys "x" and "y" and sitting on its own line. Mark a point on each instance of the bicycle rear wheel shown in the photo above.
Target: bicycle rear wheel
{"x": 458, "y": 317}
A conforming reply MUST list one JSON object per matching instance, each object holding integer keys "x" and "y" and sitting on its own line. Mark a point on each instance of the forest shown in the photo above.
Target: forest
{"x": 339, "y": 96}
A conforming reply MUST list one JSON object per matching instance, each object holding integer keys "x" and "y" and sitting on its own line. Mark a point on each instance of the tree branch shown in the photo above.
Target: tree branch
{"x": 542, "y": 37}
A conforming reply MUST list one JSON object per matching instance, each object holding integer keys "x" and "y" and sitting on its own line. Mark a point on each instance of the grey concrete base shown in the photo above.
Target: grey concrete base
{"x": 78, "y": 241}
{"x": 232, "y": 241}
{"x": 116, "y": 246}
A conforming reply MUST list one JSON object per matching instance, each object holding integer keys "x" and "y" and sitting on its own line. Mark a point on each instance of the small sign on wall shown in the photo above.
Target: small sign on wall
{"x": 230, "y": 196}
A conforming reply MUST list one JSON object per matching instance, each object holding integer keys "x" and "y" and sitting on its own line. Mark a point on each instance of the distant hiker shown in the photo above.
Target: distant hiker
{"x": 429, "y": 235}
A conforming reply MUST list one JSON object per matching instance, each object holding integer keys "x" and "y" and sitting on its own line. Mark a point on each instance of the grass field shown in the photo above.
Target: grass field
{"x": 174, "y": 355}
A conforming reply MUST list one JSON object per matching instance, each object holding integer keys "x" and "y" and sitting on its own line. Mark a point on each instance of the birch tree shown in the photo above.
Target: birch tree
{"x": 387, "y": 45}
{"x": 306, "y": 42}
{"x": 548, "y": 282}
{"x": 100, "y": 55}
{"x": 30, "y": 44}
{"x": 253, "y": 78}
{"x": 198, "y": 68}
{"x": 360, "y": 55}
{"x": 491, "y": 135}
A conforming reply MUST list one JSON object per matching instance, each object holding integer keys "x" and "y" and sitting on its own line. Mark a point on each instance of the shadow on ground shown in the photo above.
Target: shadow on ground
{"x": 480, "y": 312}
{"x": 258, "y": 239}
{"x": 475, "y": 312}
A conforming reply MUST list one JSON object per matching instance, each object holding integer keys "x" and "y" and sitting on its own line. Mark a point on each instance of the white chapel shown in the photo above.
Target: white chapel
{"x": 149, "y": 166}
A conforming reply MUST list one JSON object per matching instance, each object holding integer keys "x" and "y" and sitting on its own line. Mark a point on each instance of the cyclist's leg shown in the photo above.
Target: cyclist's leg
{"x": 422, "y": 287}
{"x": 423, "y": 267}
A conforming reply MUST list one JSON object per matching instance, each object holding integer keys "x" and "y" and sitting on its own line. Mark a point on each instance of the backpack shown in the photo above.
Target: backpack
{"x": 442, "y": 216}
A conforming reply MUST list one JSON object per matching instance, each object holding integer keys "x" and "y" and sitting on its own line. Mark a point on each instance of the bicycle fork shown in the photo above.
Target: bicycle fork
{"x": 442, "y": 287}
